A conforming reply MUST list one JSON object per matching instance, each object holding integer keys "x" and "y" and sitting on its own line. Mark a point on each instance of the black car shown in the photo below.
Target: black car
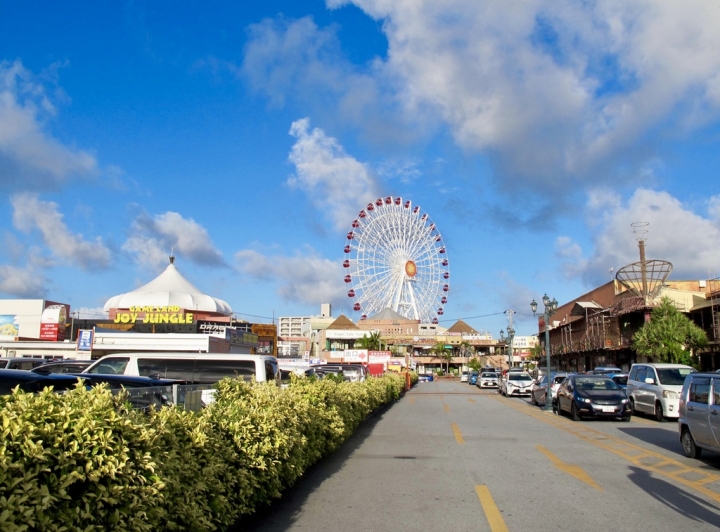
{"x": 592, "y": 396}
{"x": 24, "y": 363}
{"x": 63, "y": 366}
{"x": 33, "y": 382}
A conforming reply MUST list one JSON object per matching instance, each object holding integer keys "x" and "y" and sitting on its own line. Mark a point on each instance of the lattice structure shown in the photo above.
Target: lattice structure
{"x": 713, "y": 294}
{"x": 645, "y": 278}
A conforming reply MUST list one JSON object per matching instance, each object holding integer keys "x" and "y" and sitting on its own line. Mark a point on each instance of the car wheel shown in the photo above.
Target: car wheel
{"x": 688, "y": 444}
{"x": 627, "y": 418}
{"x": 533, "y": 400}
{"x": 574, "y": 412}
{"x": 556, "y": 408}
{"x": 659, "y": 412}
{"x": 632, "y": 406}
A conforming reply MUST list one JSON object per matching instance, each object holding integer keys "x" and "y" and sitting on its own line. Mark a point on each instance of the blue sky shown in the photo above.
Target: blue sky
{"x": 248, "y": 137}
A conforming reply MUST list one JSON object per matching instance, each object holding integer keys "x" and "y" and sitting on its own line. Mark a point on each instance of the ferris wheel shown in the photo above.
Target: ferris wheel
{"x": 395, "y": 258}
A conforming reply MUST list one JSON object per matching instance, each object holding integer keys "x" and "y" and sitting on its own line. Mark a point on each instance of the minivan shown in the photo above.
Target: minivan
{"x": 699, "y": 421}
{"x": 655, "y": 388}
{"x": 23, "y": 363}
{"x": 193, "y": 368}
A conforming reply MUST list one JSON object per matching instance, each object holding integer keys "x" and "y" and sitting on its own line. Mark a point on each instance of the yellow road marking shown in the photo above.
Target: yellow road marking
{"x": 471, "y": 400}
{"x": 623, "y": 449}
{"x": 446, "y": 407}
{"x": 572, "y": 470}
{"x": 492, "y": 513}
{"x": 458, "y": 435}
{"x": 412, "y": 400}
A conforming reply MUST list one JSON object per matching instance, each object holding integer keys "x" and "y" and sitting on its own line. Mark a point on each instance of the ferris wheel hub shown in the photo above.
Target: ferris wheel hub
{"x": 410, "y": 268}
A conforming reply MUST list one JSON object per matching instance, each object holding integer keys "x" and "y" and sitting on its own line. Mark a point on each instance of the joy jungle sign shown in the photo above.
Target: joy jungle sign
{"x": 154, "y": 315}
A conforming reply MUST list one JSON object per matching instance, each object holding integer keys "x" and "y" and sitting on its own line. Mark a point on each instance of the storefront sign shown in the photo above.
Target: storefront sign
{"x": 85, "y": 340}
{"x": 355, "y": 355}
{"x": 154, "y": 315}
{"x": 377, "y": 357}
{"x": 52, "y": 323}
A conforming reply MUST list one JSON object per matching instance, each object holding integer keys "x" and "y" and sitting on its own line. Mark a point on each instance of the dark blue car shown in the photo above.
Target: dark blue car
{"x": 591, "y": 396}
{"x": 473, "y": 378}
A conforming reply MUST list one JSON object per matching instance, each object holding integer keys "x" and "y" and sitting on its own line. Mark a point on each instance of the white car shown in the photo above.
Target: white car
{"x": 488, "y": 379}
{"x": 464, "y": 376}
{"x": 516, "y": 383}
{"x": 655, "y": 389}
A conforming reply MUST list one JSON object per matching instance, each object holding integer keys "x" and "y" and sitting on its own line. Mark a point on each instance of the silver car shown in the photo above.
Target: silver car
{"x": 487, "y": 380}
{"x": 699, "y": 409}
{"x": 539, "y": 389}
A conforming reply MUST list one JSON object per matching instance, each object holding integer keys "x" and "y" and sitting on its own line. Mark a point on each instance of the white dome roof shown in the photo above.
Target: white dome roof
{"x": 169, "y": 289}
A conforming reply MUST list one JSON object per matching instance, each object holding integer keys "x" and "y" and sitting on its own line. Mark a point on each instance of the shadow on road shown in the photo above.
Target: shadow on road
{"x": 281, "y": 513}
{"x": 664, "y": 439}
{"x": 674, "y": 498}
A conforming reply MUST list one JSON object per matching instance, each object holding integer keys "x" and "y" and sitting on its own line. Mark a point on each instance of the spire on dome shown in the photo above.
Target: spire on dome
{"x": 172, "y": 255}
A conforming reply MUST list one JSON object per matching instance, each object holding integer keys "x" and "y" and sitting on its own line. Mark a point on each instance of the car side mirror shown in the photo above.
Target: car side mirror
{"x": 649, "y": 380}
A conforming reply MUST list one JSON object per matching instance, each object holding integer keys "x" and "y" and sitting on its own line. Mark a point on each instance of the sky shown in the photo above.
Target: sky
{"x": 244, "y": 137}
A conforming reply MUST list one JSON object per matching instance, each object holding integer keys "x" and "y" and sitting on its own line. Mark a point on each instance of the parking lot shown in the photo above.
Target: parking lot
{"x": 449, "y": 456}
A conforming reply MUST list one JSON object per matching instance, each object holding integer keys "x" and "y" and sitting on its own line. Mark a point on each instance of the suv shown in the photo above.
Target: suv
{"x": 699, "y": 422}
{"x": 655, "y": 388}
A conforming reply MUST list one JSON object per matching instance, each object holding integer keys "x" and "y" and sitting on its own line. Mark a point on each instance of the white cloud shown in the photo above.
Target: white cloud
{"x": 307, "y": 279}
{"x": 334, "y": 181}
{"x": 21, "y": 282}
{"x": 30, "y": 213}
{"x": 153, "y": 238}
{"x": 551, "y": 90}
{"x": 674, "y": 233}
{"x": 29, "y": 156}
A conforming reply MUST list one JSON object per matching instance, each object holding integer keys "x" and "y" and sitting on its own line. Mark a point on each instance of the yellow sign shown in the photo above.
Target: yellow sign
{"x": 154, "y": 317}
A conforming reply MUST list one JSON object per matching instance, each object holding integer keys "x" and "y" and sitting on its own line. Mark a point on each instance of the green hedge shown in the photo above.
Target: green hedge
{"x": 85, "y": 461}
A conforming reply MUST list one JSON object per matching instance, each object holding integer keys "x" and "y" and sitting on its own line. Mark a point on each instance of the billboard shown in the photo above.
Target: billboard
{"x": 8, "y": 325}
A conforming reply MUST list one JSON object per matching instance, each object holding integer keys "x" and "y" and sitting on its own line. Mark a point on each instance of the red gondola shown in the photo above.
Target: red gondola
{"x": 441, "y": 250}
{"x": 370, "y": 207}
{"x": 446, "y": 275}
{"x": 423, "y": 217}
{"x": 351, "y": 293}
{"x": 443, "y": 300}
{"x": 388, "y": 200}
{"x": 363, "y": 317}
{"x": 407, "y": 204}
{"x": 356, "y": 306}
{"x": 435, "y": 321}
{"x": 350, "y": 235}
{"x": 378, "y": 202}
{"x": 346, "y": 249}
{"x": 438, "y": 238}
{"x": 348, "y": 279}
{"x": 431, "y": 227}
{"x": 362, "y": 214}
{"x": 440, "y": 311}
{"x": 445, "y": 287}
{"x": 398, "y": 201}
{"x": 444, "y": 262}
{"x": 356, "y": 223}
{"x": 416, "y": 210}
{"x": 346, "y": 263}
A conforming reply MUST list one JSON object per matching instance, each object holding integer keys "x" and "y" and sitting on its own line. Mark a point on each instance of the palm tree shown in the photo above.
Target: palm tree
{"x": 442, "y": 352}
{"x": 371, "y": 343}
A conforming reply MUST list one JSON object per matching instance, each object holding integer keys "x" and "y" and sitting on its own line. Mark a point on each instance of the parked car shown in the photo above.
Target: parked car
{"x": 473, "y": 378}
{"x": 424, "y": 377}
{"x": 63, "y": 366}
{"x": 620, "y": 379}
{"x": 594, "y": 396}
{"x": 699, "y": 414}
{"x": 604, "y": 370}
{"x": 24, "y": 363}
{"x": 464, "y": 376}
{"x": 655, "y": 388}
{"x": 516, "y": 383}
{"x": 539, "y": 388}
{"x": 488, "y": 379}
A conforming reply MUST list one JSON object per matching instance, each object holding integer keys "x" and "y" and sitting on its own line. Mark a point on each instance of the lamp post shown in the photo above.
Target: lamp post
{"x": 502, "y": 339}
{"x": 511, "y": 336}
{"x": 549, "y": 309}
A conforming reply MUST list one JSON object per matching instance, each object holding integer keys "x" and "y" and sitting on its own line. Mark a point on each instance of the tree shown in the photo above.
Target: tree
{"x": 442, "y": 352}
{"x": 465, "y": 349}
{"x": 371, "y": 343}
{"x": 669, "y": 336}
{"x": 475, "y": 364}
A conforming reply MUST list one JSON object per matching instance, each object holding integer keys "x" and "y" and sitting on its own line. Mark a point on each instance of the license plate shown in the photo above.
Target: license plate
{"x": 608, "y": 409}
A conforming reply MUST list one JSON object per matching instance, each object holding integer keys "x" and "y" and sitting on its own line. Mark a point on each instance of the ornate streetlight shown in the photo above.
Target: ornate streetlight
{"x": 549, "y": 309}
{"x": 511, "y": 336}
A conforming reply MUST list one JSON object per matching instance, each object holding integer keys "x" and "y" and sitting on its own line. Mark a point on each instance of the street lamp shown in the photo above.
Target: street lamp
{"x": 549, "y": 309}
{"x": 511, "y": 336}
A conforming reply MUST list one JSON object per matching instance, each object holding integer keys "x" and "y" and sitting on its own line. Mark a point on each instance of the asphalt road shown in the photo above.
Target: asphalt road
{"x": 448, "y": 456}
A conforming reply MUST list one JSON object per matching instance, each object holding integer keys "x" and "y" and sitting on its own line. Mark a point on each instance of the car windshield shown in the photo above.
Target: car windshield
{"x": 519, "y": 377}
{"x": 559, "y": 379}
{"x": 621, "y": 380}
{"x": 673, "y": 376}
{"x": 589, "y": 384}
{"x": 489, "y": 375}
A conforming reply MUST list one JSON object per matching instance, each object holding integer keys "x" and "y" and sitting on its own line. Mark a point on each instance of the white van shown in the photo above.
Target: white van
{"x": 655, "y": 388}
{"x": 194, "y": 368}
